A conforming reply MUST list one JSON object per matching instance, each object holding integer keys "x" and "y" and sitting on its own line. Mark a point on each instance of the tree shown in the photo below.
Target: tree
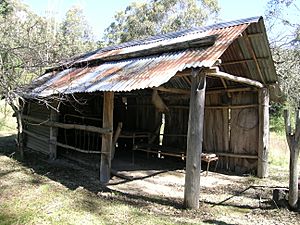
{"x": 140, "y": 20}
{"x": 30, "y": 43}
{"x": 286, "y": 54}
{"x": 282, "y": 18}
{"x": 75, "y": 34}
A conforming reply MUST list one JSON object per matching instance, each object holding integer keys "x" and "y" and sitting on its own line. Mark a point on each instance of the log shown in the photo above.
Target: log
{"x": 215, "y": 73}
{"x": 66, "y": 125}
{"x": 53, "y": 135}
{"x": 106, "y": 148}
{"x": 194, "y": 140}
{"x": 158, "y": 49}
{"x": 234, "y": 155}
{"x": 263, "y": 143}
{"x": 208, "y": 92}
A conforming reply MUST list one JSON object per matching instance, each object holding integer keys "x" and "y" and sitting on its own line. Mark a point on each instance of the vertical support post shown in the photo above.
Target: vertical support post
{"x": 20, "y": 134}
{"x": 263, "y": 144}
{"x": 194, "y": 140}
{"x": 53, "y": 135}
{"x": 106, "y": 148}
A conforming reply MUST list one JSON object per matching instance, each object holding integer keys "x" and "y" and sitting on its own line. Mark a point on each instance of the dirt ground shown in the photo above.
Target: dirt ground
{"x": 157, "y": 186}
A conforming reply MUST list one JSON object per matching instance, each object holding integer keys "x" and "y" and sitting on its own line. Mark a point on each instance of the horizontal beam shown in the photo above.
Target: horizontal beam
{"x": 217, "y": 91}
{"x": 241, "y": 61}
{"x": 48, "y": 123}
{"x": 214, "y": 72}
{"x": 47, "y": 140}
{"x": 234, "y": 155}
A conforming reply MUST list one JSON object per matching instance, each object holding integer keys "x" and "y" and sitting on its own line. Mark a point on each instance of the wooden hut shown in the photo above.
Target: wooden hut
{"x": 210, "y": 86}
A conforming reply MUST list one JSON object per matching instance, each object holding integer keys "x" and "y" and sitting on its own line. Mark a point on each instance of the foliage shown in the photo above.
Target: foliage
{"x": 75, "y": 34}
{"x": 143, "y": 19}
{"x": 284, "y": 27}
{"x": 34, "y": 42}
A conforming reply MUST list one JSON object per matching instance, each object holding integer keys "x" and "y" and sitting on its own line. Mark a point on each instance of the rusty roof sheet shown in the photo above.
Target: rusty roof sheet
{"x": 140, "y": 72}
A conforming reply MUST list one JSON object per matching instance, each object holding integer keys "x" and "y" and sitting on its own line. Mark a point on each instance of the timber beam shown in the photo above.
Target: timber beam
{"x": 107, "y": 139}
{"x": 194, "y": 140}
{"x": 214, "y": 72}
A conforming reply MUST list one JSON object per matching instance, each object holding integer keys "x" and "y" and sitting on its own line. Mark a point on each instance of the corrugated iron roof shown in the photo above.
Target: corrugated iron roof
{"x": 141, "y": 72}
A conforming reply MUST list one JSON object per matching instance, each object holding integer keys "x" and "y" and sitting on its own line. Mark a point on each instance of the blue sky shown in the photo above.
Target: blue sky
{"x": 99, "y": 13}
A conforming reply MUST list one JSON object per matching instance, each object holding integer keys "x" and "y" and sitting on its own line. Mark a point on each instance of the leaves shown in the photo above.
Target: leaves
{"x": 30, "y": 43}
{"x": 140, "y": 20}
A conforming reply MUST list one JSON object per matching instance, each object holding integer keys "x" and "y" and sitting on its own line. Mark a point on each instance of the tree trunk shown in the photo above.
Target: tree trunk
{"x": 194, "y": 141}
{"x": 293, "y": 181}
{"x": 294, "y": 145}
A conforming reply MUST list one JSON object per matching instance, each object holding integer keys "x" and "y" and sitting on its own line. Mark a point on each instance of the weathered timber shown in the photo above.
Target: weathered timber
{"x": 250, "y": 49}
{"x": 194, "y": 140}
{"x": 47, "y": 140}
{"x": 242, "y": 61}
{"x": 115, "y": 139}
{"x": 20, "y": 134}
{"x": 293, "y": 140}
{"x": 214, "y": 72}
{"x": 171, "y": 47}
{"x": 173, "y": 90}
{"x": 208, "y": 92}
{"x": 234, "y": 155}
{"x": 53, "y": 135}
{"x": 66, "y": 125}
{"x": 263, "y": 142}
{"x": 218, "y": 106}
{"x": 106, "y": 148}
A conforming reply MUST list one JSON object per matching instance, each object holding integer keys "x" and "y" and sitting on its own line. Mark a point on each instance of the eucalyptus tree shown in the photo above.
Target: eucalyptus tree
{"x": 283, "y": 20}
{"x": 143, "y": 19}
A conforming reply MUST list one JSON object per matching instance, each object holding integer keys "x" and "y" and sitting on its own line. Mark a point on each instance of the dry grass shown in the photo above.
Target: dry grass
{"x": 37, "y": 191}
{"x": 7, "y": 121}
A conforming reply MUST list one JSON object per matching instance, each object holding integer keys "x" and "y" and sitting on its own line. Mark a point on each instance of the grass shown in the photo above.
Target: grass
{"x": 7, "y": 121}
{"x": 48, "y": 202}
{"x": 36, "y": 191}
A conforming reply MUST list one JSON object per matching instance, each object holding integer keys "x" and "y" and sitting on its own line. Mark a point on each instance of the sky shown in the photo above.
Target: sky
{"x": 99, "y": 13}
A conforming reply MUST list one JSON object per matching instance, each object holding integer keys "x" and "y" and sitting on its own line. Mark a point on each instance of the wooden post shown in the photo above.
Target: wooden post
{"x": 263, "y": 144}
{"x": 194, "y": 140}
{"x": 53, "y": 135}
{"x": 293, "y": 140}
{"x": 106, "y": 148}
{"x": 20, "y": 134}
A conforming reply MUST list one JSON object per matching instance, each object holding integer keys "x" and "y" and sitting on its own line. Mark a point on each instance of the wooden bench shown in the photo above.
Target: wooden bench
{"x": 160, "y": 151}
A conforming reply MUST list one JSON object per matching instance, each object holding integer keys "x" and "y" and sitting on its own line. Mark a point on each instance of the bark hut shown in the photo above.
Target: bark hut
{"x": 194, "y": 140}
{"x": 293, "y": 139}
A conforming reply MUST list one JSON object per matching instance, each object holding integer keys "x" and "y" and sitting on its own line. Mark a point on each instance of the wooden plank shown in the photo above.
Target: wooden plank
{"x": 66, "y": 125}
{"x": 194, "y": 140}
{"x": 263, "y": 144}
{"x": 53, "y": 135}
{"x": 106, "y": 148}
